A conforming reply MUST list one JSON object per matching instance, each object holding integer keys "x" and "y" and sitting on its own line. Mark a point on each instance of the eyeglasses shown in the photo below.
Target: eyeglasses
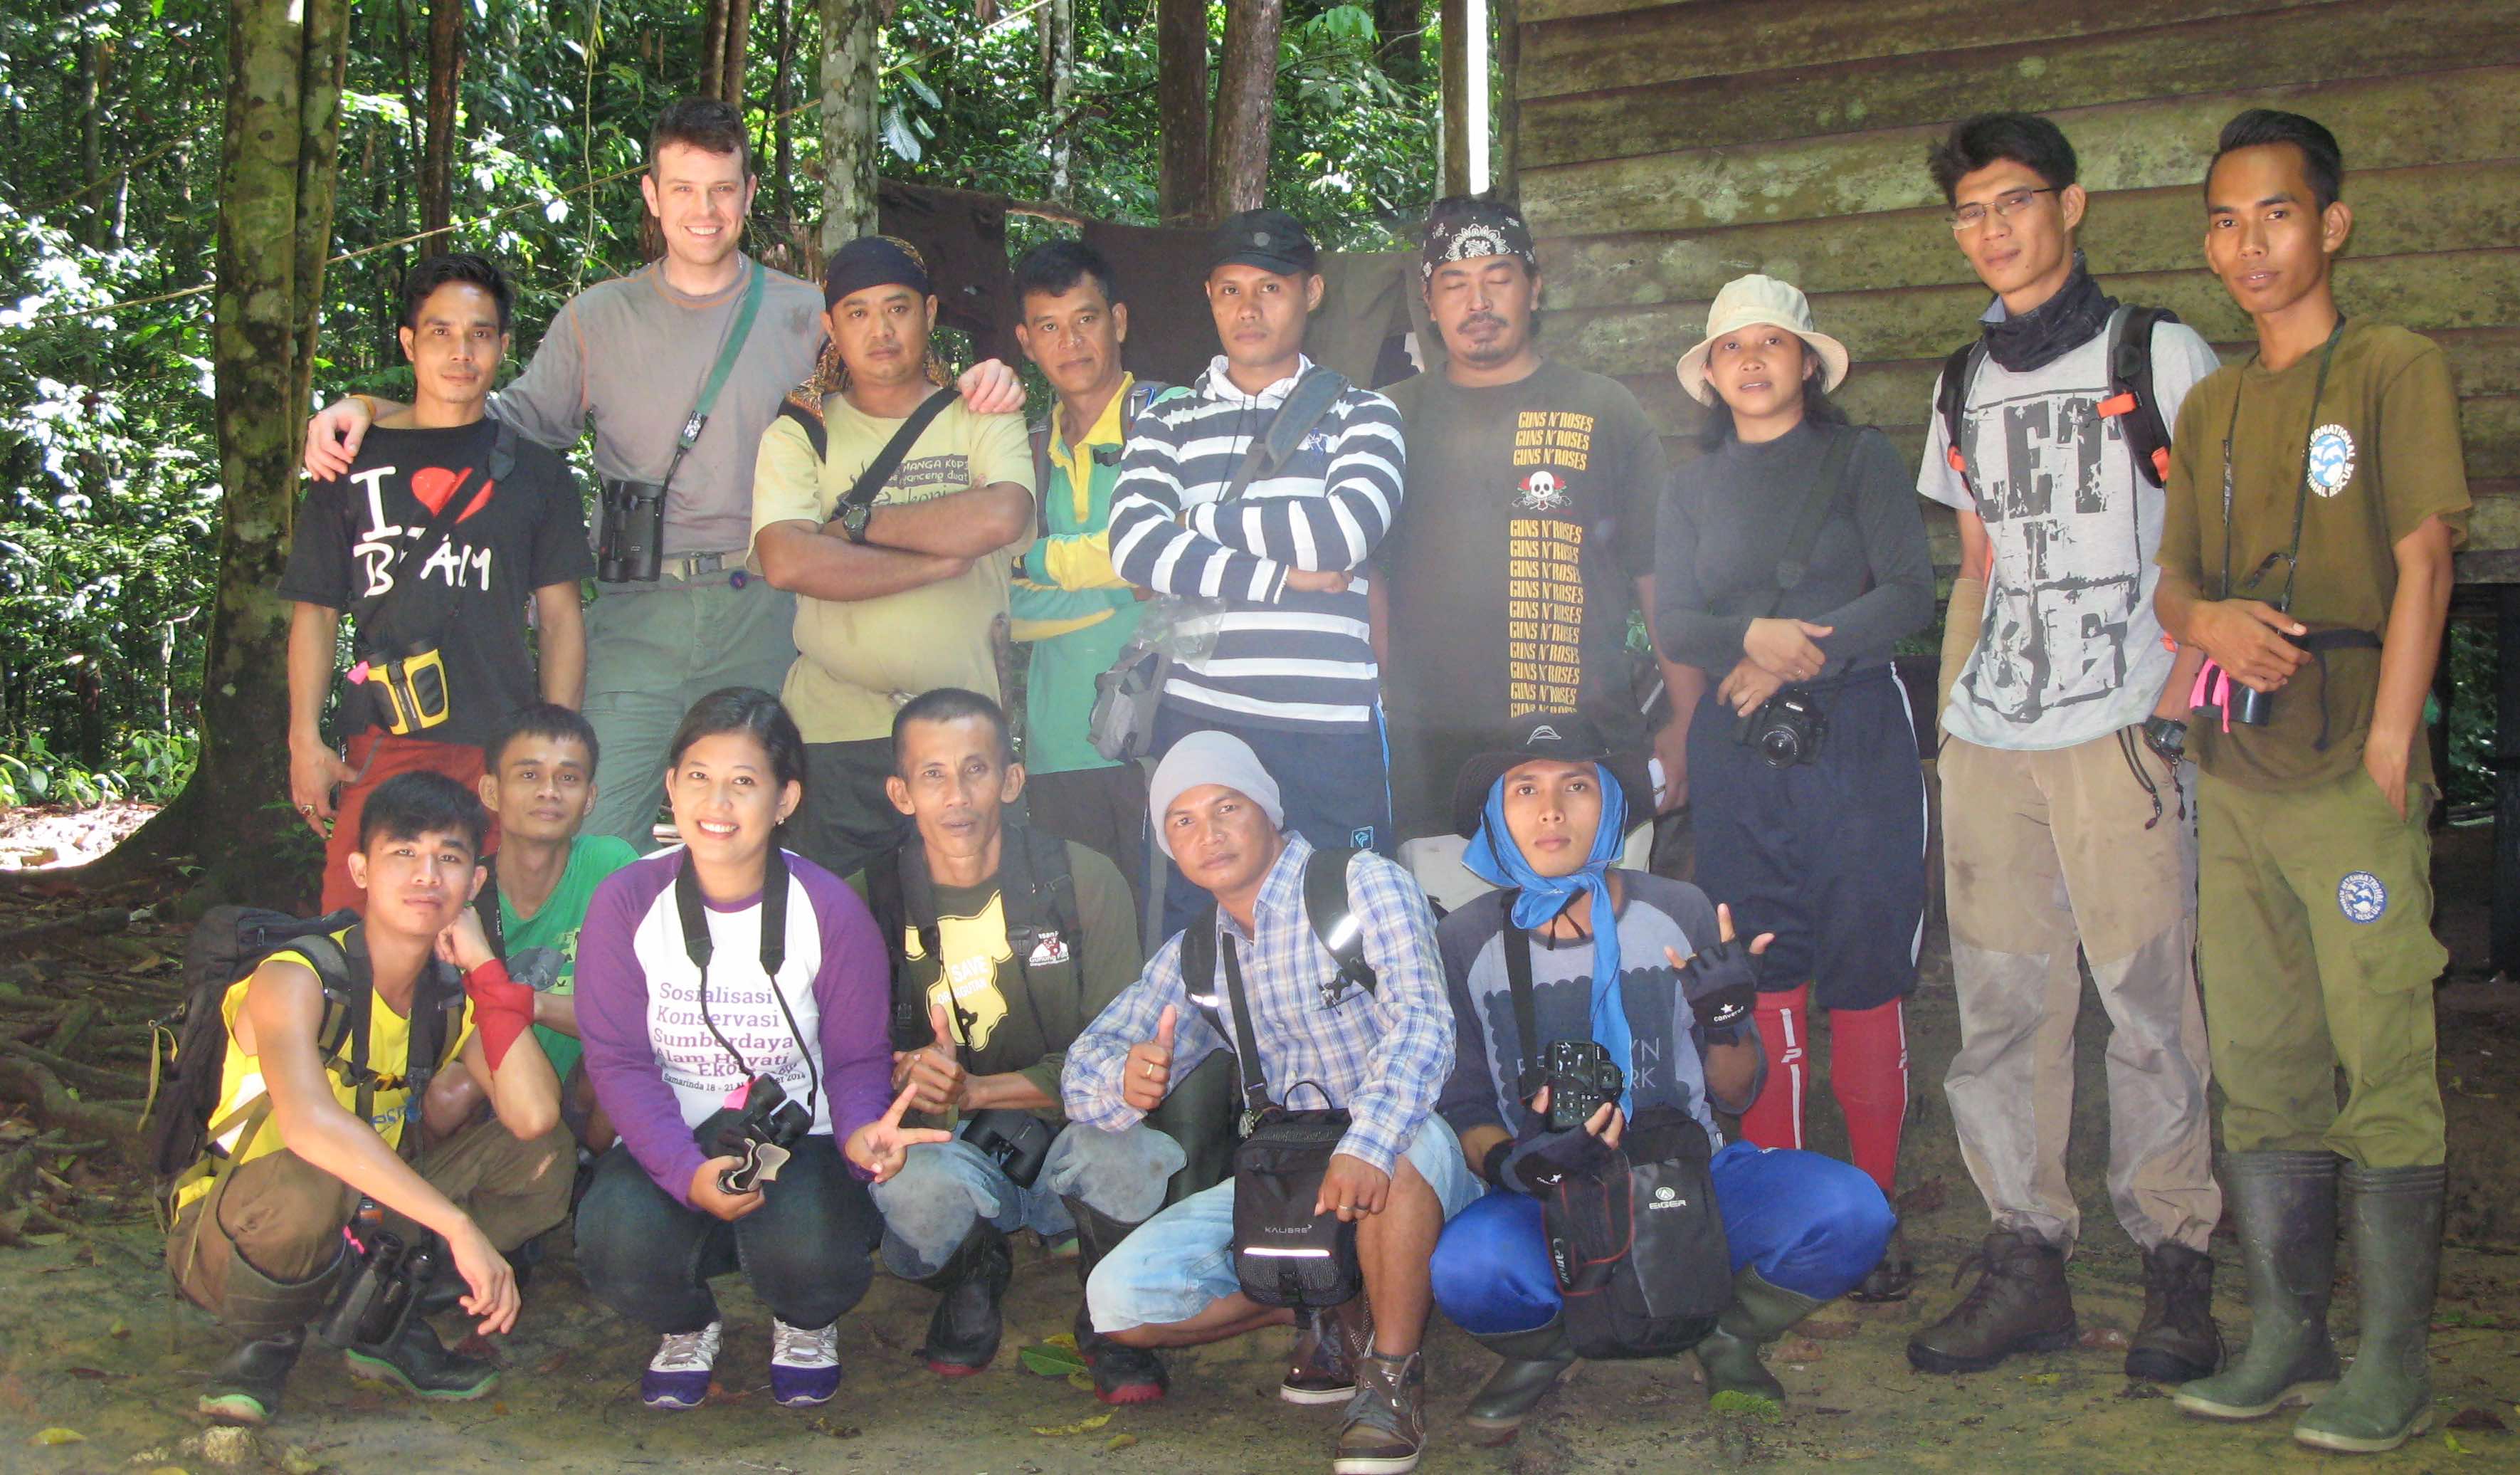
{"x": 2007, "y": 204}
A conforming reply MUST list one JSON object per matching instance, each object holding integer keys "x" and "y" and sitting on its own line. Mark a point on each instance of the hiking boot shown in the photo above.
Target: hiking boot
{"x": 962, "y": 1334}
{"x": 2286, "y": 1206}
{"x": 1121, "y": 1374}
{"x": 2386, "y": 1397}
{"x": 2176, "y": 1341}
{"x": 678, "y": 1375}
{"x": 804, "y": 1363}
{"x": 1327, "y": 1345}
{"x": 1386, "y": 1420}
{"x": 420, "y": 1364}
{"x": 1737, "y": 1381}
{"x": 2019, "y": 1304}
{"x": 245, "y": 1388}
{"x": 1893, "y": 1279}
{"x": 1533, "y": 1363}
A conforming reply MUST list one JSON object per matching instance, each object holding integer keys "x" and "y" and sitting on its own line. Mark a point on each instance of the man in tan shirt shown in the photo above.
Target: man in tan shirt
{"x": 906, "y": 591}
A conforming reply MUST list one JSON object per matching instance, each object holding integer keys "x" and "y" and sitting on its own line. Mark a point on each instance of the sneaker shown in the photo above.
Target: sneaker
{"x": 804, "y": 1363}
{"x": 1327, "y": 1345}
{"x": 1386, "y": 1420}
{"x": 678, "y": 1375}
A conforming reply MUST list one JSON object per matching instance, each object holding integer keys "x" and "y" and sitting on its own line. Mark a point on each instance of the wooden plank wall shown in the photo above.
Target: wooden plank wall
{"x": 1665, "y": 148}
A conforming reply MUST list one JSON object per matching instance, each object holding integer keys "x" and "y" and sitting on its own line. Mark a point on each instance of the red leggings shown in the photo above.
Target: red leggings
{"x": 1867, "y": 1073}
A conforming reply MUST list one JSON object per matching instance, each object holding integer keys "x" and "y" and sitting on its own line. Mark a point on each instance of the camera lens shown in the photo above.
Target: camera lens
{"x": 1781, "y": 746}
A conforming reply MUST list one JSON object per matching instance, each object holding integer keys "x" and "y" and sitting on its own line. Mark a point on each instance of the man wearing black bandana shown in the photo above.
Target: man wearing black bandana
{"x": 2067, "y": 813}
{"x": 1527, "y": 529}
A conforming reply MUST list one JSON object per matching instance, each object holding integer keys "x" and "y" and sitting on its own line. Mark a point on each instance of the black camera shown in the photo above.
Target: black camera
{"x": 1017, "y": 1141}
{"x": 630, "y": 533}
{"x": 763, "y": 1136}
{"x": 385, "y": 1285}
{"x": 2244, "y": 704}
{"x": 1786, "y": 729}
{"x": 1581, "y": 1078}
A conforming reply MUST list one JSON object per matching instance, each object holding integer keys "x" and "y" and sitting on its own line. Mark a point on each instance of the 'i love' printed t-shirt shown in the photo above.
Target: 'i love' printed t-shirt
{"x": 518, "y": 534}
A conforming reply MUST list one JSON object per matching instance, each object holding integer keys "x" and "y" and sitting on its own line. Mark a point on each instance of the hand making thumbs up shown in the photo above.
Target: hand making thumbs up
{"x": 879, "y": 1146}
{"x": 1147, "y": 1072}
{"x": 935, "y": 1075}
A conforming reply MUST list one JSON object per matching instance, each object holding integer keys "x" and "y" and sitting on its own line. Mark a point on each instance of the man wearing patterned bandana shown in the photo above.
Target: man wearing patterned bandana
{"x": 2316, "y": 496}
{"x": 1527, "y": 529}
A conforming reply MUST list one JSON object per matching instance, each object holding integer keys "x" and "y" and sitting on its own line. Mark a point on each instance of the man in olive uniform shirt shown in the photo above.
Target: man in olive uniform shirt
{"x": 1007, "y": 943}
{"x": 2316, "y": 494}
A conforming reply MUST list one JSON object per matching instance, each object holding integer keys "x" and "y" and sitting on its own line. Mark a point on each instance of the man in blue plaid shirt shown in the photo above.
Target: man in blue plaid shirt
{"x": 1382, "y": 1056}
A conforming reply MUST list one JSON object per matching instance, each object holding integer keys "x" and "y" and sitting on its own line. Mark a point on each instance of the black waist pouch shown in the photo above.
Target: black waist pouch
{"x": 1638, "y": 1249}
{"x": 1284, "y": 1252}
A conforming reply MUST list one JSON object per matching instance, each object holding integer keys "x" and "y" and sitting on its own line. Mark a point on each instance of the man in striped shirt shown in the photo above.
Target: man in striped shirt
{"x": 1381, "y": 1054}
{"x": 1277, "y": 571}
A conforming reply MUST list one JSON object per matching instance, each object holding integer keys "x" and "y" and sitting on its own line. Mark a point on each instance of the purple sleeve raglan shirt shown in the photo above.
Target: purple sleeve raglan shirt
{"x": 656, "y": 1055}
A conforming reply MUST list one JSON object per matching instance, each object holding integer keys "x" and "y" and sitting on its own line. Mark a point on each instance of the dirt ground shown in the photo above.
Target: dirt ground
{"x": 91, "y": 1344}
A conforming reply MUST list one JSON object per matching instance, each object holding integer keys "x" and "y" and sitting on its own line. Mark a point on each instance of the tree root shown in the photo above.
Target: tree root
{"x": 53, "y": 1106}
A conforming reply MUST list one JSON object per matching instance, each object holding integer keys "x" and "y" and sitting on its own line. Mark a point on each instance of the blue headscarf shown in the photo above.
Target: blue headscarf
{"x": 1493, "y": 857}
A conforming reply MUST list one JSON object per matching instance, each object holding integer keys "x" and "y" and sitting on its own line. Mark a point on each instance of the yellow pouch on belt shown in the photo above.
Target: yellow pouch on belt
{"x": 409, "y": 693}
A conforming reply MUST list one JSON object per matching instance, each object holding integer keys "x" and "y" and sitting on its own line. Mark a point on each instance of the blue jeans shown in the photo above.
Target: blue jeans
{"x": 944, "y": 1188}
{"x": 1335, "y": 788}
{"x": 1808, "y": 1224}
{"x": 1179, "y": 1263}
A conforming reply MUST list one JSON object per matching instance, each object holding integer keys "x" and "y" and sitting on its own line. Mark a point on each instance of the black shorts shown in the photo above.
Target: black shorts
{"x": 1830, "y": 854}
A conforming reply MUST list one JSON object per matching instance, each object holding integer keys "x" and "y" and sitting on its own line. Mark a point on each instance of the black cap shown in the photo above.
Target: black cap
{"x": 1562, "y": 737}
{"x": 1271, "y": 240}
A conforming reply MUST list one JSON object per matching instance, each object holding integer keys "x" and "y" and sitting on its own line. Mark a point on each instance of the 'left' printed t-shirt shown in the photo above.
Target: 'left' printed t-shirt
{"x": 516, "y": 534}
{"x": 241, "y": 1075}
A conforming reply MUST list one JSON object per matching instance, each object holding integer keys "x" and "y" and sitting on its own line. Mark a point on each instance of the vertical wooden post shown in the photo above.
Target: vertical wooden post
{"x": 1504, "y": 106}
{"x": 2505, "y": 949}
{"x": 1453, "y": 173}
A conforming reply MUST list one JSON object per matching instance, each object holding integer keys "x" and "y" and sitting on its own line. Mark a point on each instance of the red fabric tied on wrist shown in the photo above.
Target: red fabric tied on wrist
{"x": 502, "y": 1009}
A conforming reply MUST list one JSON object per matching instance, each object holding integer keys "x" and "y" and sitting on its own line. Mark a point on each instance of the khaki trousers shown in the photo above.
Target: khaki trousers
{"x": 281, "y": 1217}
{"x": 2322, "y": 954}
{"x": 2042, "y": 851}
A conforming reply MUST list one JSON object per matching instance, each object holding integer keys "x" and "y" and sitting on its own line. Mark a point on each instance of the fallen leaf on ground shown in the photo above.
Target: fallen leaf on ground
{"x": 94, "y": 1374}
{"x": 1051, "y": 1361}
{"x": 1799, "y": 1350}
{"x": 1119, "y": 1441}
{"x": 295, "y": 1461}
{"x": 119, "y": 1328}
{"x": 57, "y": 1435}
{"x": 2100, "y": 1336}
{"x": 551, "y": 1364}
{"x": 1081, "y": 1380}
{"x": 2043, "y": 1380}
{"x": 2478, "y": 1418}
{"x": 1081, "y": 1426}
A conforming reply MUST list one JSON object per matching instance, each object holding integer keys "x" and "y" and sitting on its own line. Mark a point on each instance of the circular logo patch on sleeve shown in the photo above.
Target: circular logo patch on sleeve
{"x": 2362, "y": 896}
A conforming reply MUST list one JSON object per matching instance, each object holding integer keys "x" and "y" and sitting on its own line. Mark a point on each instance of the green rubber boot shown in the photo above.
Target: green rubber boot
{"x": 1737, "y": 1381}
{"x": 2286, "y": 1205}
{"x": 1534, "y": 1362}
{"x": 2386, "y": 1398}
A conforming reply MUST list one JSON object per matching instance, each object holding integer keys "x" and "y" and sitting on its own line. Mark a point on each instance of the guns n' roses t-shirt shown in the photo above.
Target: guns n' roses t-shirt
{"x": 518, "y": 534}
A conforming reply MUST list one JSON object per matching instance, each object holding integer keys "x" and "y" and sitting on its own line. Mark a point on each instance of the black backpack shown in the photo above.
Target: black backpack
{"x": 2130, "y": 394}
{"x": 1327, "y": 909}
{"x": 226, "y": 945}
{"x": 1038, "y": 893}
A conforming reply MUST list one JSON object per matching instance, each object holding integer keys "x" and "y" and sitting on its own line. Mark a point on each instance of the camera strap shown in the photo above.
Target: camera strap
{"x": 1793, "y": 562}
{"x": 1303, "y": 408}
{"x": 728, "y": 353}
{"x": 1526, "y": 1012}
{"x": 698, "y": 945}
{"x": 869, "y": 483}
{"x": 2301, "y": 493}
{"x": 1246, "y": 1048}
{"x": 378, "y": 637}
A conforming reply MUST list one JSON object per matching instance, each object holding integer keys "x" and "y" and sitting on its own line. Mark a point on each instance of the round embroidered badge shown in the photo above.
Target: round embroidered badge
{"x": 2331, "y": 459}
{"x": 2362, "y": 896}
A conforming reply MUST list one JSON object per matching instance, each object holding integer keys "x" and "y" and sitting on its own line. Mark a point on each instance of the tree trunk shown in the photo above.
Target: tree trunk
{"x": 1452, "y": 155}
{"x": 712, "y": 46}
{"x": 278, "y": 166}
{"x": 1399, "y": 37}
{"x": 736, "y": 51}
{"x": 1247, "y": 106}
{"x": 849, "y": 97}
{"x": 783, "y": 191}
{"x": 92, "y": 140}
{"x": 438, "y": 160}
{"x": 1181, "y": 105}
{"x": 1059, "y": 65}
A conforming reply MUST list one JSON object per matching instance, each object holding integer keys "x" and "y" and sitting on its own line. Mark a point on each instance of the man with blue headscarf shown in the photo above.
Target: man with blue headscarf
{"x": 1646, "y": 968}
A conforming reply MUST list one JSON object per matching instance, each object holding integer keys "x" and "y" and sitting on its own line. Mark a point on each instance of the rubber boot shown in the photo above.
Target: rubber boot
{"x": 2286, "y": 1206}
{"x": 963, "y": 1333}
{"x": 1534, "y": 1363}
{"x": 420, "y": 1364}
{"x": 2386, "y": 1398}
{"x": 1121, "y": 1374}
{"x": 1737, "y": 1381}
{"x": 245, "y": 1388}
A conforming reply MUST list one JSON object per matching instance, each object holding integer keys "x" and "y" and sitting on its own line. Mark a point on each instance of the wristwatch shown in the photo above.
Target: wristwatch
{"x": 2167, "y": 736}
{"x": 853, "y": 519}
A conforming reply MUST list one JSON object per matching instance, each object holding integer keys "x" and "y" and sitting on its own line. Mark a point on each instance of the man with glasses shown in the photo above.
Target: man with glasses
{"x": 2066, "y": 818}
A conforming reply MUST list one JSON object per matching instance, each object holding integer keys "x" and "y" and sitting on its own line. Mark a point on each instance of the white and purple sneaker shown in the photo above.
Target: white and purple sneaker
{"x": 678, "y": 1375}
{"x": 804, "y": 1365}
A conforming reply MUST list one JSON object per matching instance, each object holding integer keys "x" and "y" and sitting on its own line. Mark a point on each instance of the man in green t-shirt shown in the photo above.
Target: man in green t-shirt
{"x": 2316, "y": 496}
{"x": 1006, "y": 944}
{"x": 538, "y": 778}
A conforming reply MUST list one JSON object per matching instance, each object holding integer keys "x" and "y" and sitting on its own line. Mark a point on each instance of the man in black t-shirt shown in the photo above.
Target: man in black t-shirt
{"x": 1524, "y": 540}
{"x": 437, "y": 607}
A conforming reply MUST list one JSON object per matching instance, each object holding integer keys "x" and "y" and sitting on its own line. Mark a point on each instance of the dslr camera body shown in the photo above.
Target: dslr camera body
{"x": 1786, "y": 729}
{"x": 768, "y": 1131}
{"x": 1581, "y": 1078}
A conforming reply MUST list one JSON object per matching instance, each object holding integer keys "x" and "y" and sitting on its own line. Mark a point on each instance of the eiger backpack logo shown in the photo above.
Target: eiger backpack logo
{"x": 1665, "y": 1197}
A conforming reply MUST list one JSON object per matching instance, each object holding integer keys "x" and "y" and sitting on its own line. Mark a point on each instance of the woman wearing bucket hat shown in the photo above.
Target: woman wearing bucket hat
{"x": 1789, "y": 557}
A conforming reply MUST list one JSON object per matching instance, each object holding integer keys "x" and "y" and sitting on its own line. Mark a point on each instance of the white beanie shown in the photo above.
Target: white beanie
{"x": 1211, "y": 757}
